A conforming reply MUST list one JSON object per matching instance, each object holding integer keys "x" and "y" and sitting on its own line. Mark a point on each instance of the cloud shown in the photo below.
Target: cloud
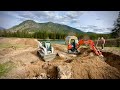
{"x": 9, "y": 19}
{"x": 91, "y": 21}
{"x": 98, "y": 19}
{"x": 96, "y": 29}
{"x": 73, "y": 14}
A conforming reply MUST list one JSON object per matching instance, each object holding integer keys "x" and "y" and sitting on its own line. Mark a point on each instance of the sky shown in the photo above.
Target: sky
{"x": 87, "y": 21}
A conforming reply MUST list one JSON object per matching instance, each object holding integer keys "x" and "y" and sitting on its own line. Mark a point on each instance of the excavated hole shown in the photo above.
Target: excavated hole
{"x": 52, "y": 72}
{"x": 35, "y": 53}
{"x": 112, "y": 59}
{"x": 69, "y": 60}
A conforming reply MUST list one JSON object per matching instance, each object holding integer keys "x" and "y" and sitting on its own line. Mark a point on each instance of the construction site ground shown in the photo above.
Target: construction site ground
{"x": 19, "y": 60}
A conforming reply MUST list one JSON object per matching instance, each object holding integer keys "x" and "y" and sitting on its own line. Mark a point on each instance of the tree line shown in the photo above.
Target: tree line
{"x": 50, "y": 35}
{"x": 38, "y": 34}
{"x": 94, "y": 36}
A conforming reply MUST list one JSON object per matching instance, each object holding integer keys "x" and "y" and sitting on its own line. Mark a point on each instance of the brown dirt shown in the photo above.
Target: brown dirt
{"x": 29, "y": 65}
{"x": 114, "y": 50}
{"x": 5, "y": 51}
{"x": 60, "y": 47}
{"x": 93, "y": 68}
{"x": 112, "y": 59}
{"x": 23, "y": 41}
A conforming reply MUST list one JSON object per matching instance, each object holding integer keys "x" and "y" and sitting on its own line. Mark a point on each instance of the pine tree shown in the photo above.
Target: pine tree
{"x": 116, "y": 31}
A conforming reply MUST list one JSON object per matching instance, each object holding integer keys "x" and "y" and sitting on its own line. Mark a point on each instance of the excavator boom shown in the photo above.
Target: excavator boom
{"x": 91, "y": 44}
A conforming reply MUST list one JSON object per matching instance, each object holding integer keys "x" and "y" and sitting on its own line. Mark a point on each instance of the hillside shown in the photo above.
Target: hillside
{"x": 32, "y": 26}
{"x": 1, "y": 28}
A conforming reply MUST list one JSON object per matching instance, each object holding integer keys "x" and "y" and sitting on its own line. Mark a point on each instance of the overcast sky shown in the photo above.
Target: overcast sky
{"x": 88, "y": 21}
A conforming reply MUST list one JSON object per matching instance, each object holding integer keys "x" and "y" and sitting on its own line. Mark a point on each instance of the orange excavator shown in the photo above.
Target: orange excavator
{"x": 90, "y": 43}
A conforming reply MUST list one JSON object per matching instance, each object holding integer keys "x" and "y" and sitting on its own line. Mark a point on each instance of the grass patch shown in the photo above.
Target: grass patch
{"x": 5, "y": 68}
{"x": 7, "y": 45}
{"x": 114, "y": 48}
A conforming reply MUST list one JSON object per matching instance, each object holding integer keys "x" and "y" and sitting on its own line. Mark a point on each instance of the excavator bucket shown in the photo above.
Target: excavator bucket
{"x": 48, "y": 57}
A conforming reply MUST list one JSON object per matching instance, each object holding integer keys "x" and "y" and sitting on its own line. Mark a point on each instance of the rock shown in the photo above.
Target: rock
{"x": 64, "y": 71}
{"x": 13, "y": 47}
{"x": 69, "y": 60}
{"x": 61, "y": 56}
{"x": 73, "y": 55}
{"x": 45, "y": 65}
{"x": 33, "y": 78}
{"x": 42, "y": 76}
{"x": 91, "y": 54}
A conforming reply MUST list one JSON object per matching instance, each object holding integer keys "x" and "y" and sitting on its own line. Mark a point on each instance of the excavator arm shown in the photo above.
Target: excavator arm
{"x": 91, "y": 44}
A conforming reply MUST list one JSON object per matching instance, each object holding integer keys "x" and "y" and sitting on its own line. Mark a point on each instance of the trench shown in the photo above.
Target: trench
{"x": 112, "y": 59}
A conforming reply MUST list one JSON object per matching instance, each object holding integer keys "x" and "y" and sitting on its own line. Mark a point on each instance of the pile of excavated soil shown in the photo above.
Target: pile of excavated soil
{"x": 6, "y": 51}
{"x": 28, "y": 71}
{"x": 23, "y": 41}
{"x": 89, "y": 66}
{"x": 60, "y": 47}
{"x": 81, "y": 67}
{"x": 93, "y": 68}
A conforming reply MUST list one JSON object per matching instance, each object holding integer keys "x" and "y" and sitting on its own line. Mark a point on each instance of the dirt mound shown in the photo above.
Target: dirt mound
{"x": 27, "y": 71}
{"x": 93, "y": 68}
{"x": 60, "y": 47}
{"x": 64, "y": 71}
{"x": 6, "y": 51}
{"x": 84, "y": 66}
{"x": 24, "y": 41}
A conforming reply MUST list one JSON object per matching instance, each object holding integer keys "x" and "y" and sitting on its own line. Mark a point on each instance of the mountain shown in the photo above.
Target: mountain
{"x": 90, "y": 33}
{"x": 1, "y": 28}
{"x": 32, "y": 26}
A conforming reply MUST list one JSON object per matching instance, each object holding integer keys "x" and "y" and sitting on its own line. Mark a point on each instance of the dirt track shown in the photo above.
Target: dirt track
{"x": 29, "y": 65}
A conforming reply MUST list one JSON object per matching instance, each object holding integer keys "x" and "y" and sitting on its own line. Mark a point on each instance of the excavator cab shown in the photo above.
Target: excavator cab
{"x": 48, "y": 46}
{"x": 72, "y": 45}
{"x": 46, "y": 51}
